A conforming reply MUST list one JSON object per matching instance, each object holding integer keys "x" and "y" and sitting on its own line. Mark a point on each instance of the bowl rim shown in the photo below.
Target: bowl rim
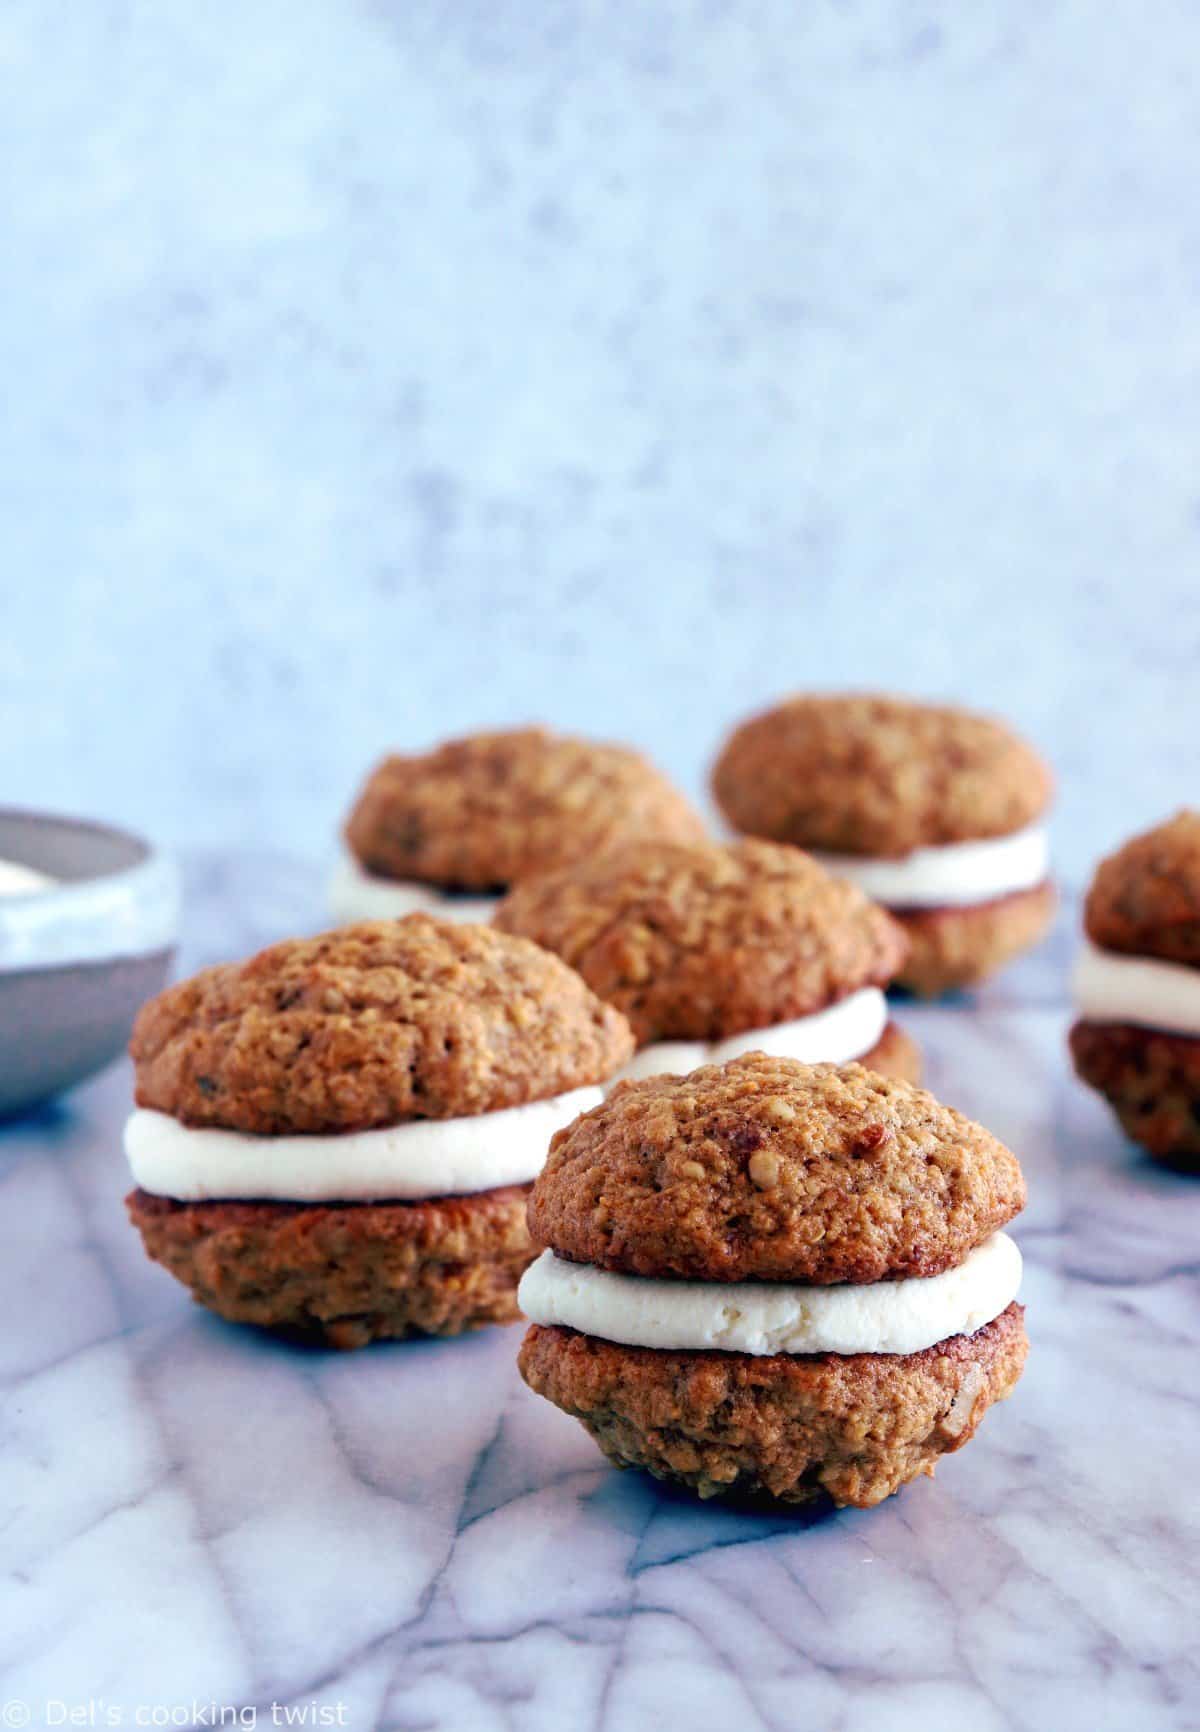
{"x": 67, "y": 821}
{"x": 128, "y": 911}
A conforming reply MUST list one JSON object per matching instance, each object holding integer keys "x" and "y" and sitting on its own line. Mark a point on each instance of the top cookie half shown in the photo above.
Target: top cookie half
{"x": 483, "y": 812}
{"x": 877, "y": 776}
{"x": 1145, "y": 899}
{"x": 705, "y": 941}
{"x": 373, "y": 1025}
{"x": 766, "y": 1169}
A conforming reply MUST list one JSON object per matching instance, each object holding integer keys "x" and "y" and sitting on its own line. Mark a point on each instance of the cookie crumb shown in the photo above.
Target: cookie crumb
{"x": 764, "y": 1169}
{"x": 745, "y": 1138}
{"x": 871, "y": 1139}
{"x": 959, "y": 1414}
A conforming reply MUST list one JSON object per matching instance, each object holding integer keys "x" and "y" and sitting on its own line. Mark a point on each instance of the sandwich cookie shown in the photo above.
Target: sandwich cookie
{"x": 336, "y": 1138}
{"x": 1137, "y": 989}
{"x": 447, "y": 832}
{"x": 935, "y": 812}
{"x": 713, "y": 949}
{"x": 775, "y": 1280}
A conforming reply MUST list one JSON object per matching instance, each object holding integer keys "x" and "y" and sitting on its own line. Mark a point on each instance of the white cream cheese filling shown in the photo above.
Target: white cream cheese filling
{"x": 356, "y": 894}
{"x": 1110, "y": 987}
{"x": 841, "y": 1032}
{"x": 399, "y": 1163}
{"x": 19, "y": 880}
{"x": 761, "y": 1317}
{"x": 956, "y": 875}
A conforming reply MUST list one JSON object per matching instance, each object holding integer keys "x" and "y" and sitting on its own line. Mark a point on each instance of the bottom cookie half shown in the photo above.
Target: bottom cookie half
{"x": 895, "y": 1054}
{"x": 1152, "y": 1082}
{"x": 956, "y": 947}
{"x": 346, "y": 1273}
{"x": 783, "y": 1427}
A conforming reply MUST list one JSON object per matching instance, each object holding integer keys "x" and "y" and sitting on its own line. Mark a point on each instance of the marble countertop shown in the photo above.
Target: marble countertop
{"x": 196, "y": 1519}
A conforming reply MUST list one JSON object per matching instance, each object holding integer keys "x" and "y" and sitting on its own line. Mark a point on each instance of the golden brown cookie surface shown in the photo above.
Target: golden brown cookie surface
{"x": 1145, "y": 898}
{"x": 766, "y": 1169}
{"x": 708, "y": 940}
{"x": 372, "y": 1025}
{"x": 346, "y": 1273}
{"x": 880, "y": 776}
{"x": 787, "y": 1427}
{"x": 485, "y": 811}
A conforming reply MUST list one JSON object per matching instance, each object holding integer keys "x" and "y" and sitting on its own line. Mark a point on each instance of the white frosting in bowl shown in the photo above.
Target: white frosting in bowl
{"x": 18, "y": 880}
{"x": 761, "y": 1317}
{"x": 75, "y": 893}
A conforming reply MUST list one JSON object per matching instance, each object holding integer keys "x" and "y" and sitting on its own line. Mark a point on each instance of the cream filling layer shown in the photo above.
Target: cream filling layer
{"x": 398, "y": 1163}
{"x": 1110, "y": 987}
{"x": 956, "y": 875}
{"x": 761, "y": 1317}
{"x": 356, "y": 894}
{"x": 841, "y": 1032}
{"x": 19, "y": 880}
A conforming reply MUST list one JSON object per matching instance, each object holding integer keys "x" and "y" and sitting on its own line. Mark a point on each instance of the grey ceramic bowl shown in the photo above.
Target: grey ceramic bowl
{"x": 79, "y": 957}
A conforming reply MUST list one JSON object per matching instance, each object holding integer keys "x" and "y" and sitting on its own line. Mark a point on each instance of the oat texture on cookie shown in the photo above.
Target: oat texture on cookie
{"x": 372, "y": 1025}
{"x": 765, "y": 1169}
{"x": 483, "y": 812}
{"x": 877, "y": 776}
{"x": 706, "y": 940}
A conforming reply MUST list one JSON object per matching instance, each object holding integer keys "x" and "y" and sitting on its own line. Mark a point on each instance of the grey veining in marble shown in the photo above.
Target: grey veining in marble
{"x": 192, "y": 1514}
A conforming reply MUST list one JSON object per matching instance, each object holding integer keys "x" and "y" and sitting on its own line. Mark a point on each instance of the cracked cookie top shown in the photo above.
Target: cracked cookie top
{"x": 877, "y": 776}
{"x": 766, "y": 1169}
{"x": 483, "y": 812}
{"x": 710, "y": 939}
{"x": 372, "y": 1025}
{"x": 1145, "y": 898}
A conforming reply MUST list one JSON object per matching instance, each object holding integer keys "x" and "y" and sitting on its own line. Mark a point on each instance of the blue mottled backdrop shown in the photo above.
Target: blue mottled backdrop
{"x": 371, "y": 371}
